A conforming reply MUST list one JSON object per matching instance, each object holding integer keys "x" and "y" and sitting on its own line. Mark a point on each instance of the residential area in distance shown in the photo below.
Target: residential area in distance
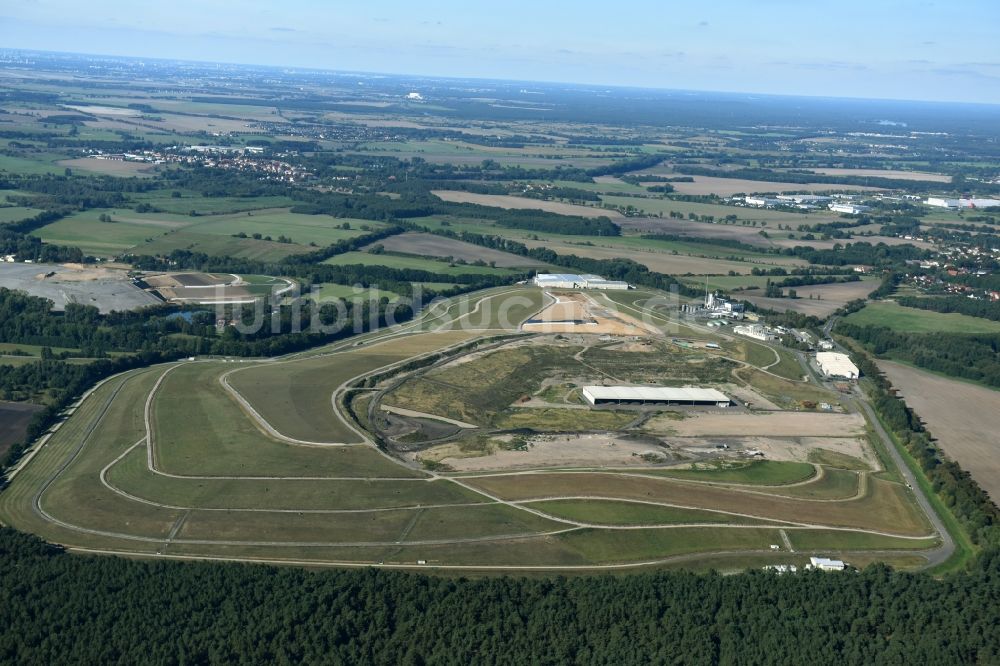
{"x": 475, "y": 328}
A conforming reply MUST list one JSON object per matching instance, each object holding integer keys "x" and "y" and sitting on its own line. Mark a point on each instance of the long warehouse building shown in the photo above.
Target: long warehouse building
{"x": 834, "y": 364}
{"x": 654, "y": 395}
{"x": 571, "y": 281}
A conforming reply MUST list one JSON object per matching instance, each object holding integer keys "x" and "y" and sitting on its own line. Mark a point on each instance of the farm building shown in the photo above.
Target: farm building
{"x": 570, "y": 281}
{"x": 654, "y": 395}
{"x": 835, "y": 364}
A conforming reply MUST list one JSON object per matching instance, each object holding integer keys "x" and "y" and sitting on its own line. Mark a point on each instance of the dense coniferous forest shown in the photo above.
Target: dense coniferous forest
{"x": 62, "y": 608}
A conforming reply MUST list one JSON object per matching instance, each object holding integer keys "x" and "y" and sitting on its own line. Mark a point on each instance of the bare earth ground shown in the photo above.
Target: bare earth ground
{"x": 826, "y": 298}
{"x": 589, "y": 450}
{"x": 593, "y": 318}
{"x": 170, "y": 280}
{"x": 750, "y": 235}
{"x": 109, "y": 167}
{"x": 508, "y": 201}
{"x": 438, "y": 246}
{"x": 777, "y": 424}
{"x": 963, "y": 418}
{"x": 887, "y": 173}
{"x": 725, "y": 187}
{"x": 106, "y": 289}
{"x": 791, "y": 449}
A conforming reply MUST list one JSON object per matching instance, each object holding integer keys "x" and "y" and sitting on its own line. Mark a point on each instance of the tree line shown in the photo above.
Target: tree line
{"x": 62, "y": 608}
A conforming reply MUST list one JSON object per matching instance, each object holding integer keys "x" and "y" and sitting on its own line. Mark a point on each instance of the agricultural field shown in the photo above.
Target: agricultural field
{"x": 887, "y": 173}
{"x": 14, "y": 419}
{"x": 219, "y": 234}
{"x": 656, "y": 259}
{"x": 186, "y": 202}
{"x": 322, "y": 293}
{"x": 16, "y": 213}
{"x": 413, "y": 262}
{"x": 727, "y": 187}
{"x": 110, "y": 167}
{"x": 912, "y": 320}
{"x": 818, "y": 300}
{"x": 430, "y": 245}
{"x": 509, "y": 201}
{"x": 961, "y": 416}
{"x": 264, "y": 460}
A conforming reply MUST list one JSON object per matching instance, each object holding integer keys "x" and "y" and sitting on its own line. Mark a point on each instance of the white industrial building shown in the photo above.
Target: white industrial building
{"x": 655, "y": 395}
{"x": 835, "y": 364}
{"x": 941, "y": 202}
{"x": 826, "y": 564}
{"x": 571, "y": 281}
{"x": 850, "y": 209}
{"x": 804, "y": 198}
{"x": 763, "y": 202}
{"x": 755, "y": 331}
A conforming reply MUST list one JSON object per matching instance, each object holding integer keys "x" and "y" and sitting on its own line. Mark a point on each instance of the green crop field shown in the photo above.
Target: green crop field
{"x": 913, "y": 320}
{"x": 85, "y": 231}
{"x": 162, "y": 232}
{"x": 16, "y": 213}
{"x": 322, "y": 230}
{"x": 415, "y": 263}
{"x": 188, "y": 201}
{"x": 328, "y": 292}
{"x": 242, "y": 248}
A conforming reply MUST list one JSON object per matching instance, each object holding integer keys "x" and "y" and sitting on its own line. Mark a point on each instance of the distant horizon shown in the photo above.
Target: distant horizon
{"x": 856, "y": 49}
{"x": 388, "y": 74}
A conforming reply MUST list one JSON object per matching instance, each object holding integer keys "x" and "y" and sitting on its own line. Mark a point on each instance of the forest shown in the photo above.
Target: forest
{"x": 63, "y": 608}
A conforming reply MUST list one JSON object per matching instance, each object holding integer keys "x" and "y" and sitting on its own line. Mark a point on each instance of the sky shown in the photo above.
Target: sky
{"x": 891, "y": 49}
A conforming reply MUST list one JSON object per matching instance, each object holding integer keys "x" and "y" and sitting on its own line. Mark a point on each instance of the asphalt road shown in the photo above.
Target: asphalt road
{"x": 947, "y": 548}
